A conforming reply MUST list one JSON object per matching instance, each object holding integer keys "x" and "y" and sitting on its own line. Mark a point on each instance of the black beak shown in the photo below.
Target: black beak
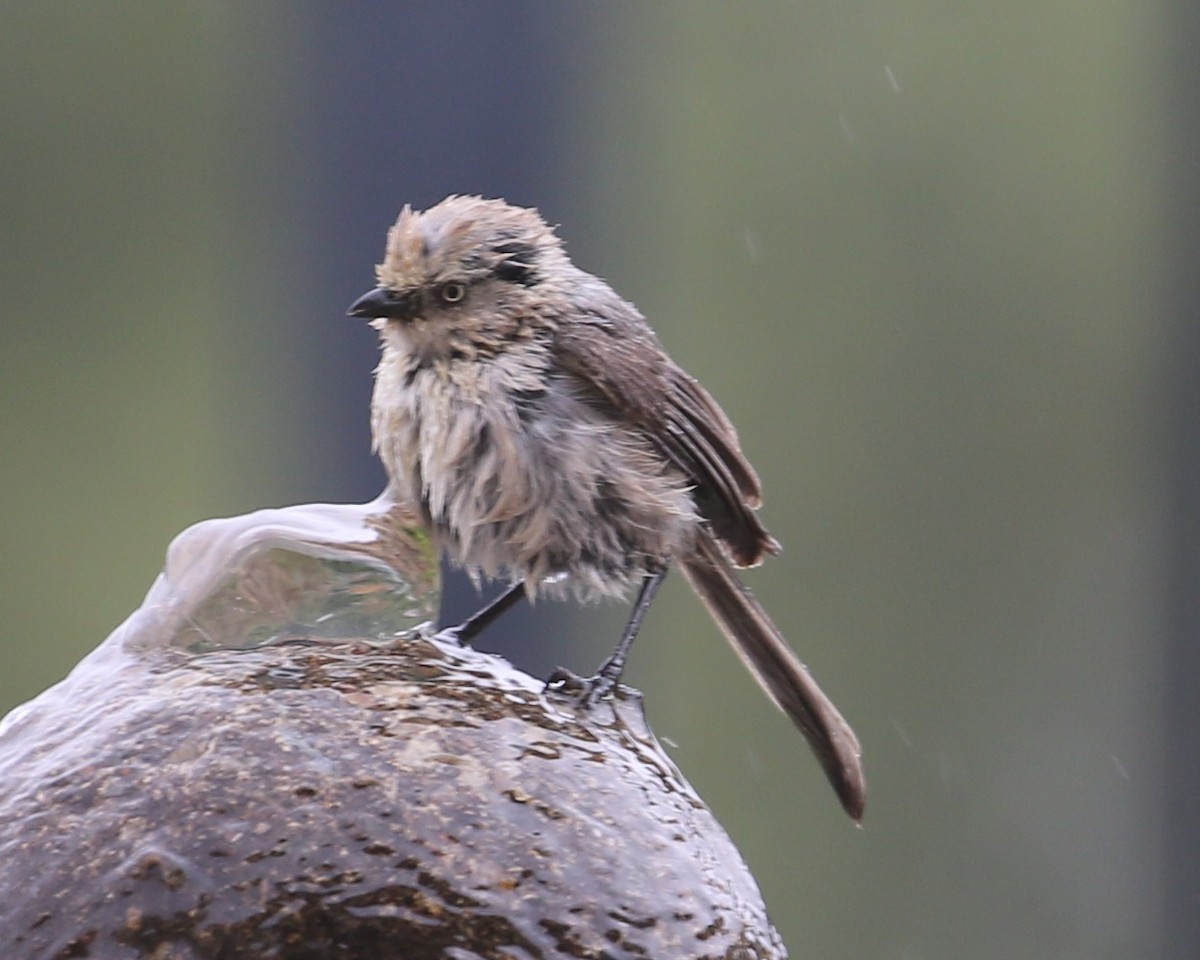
{"x": 379, "y": 302}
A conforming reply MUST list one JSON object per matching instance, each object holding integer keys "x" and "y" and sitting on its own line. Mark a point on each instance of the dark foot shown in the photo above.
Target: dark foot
{"x": 586, "y": 691}
{"x": 465, "y": 632}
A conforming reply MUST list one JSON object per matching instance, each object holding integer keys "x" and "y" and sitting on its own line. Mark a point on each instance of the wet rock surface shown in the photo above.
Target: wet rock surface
{"x": 352, "y": 798}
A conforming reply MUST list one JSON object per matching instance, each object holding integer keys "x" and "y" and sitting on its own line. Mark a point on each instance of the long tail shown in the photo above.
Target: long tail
{"x": 786, "y": 680}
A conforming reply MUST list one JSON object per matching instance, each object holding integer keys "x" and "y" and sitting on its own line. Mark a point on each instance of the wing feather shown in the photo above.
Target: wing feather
{"x": 620, "y": 363}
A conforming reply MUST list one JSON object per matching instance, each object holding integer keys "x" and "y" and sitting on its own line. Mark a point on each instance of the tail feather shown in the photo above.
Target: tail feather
{"x": 778, "y": 670}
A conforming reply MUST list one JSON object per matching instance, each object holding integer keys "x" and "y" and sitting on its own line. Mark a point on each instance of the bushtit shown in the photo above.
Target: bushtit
{"x": 544, "y": 434}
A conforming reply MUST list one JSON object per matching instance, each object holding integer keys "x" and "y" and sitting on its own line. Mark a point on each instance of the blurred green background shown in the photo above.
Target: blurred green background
{"x": 919, "y": 251}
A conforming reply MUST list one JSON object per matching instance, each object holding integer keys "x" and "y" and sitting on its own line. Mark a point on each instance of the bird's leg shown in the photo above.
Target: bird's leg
{"x": 464, "y": 632}
{"x": 591, "y": 689}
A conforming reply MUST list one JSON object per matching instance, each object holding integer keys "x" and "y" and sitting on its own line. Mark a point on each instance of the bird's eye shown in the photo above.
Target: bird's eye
{"x": 452, "y": 292}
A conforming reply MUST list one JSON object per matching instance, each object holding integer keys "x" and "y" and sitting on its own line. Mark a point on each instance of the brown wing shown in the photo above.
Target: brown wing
{"x": 618, "y": 360}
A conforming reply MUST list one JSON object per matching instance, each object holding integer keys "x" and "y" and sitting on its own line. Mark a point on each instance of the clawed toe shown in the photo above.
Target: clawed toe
{"x": 586, "y": 691}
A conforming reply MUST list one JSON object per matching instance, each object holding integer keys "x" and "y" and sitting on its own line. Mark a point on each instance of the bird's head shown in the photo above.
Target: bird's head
{"x": 468, "y": 274}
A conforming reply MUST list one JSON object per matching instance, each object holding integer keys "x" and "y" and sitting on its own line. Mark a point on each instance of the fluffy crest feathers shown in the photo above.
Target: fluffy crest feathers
{"x": 464, "y": 237}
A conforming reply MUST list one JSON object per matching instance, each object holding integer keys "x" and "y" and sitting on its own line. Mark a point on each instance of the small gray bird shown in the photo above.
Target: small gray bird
{"x": 544, "y": 434}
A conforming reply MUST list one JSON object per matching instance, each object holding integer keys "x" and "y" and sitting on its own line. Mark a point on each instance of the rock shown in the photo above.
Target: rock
{"x": 302, "y": 794}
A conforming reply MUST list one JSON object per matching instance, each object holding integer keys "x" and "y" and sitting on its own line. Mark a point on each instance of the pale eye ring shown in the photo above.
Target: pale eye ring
{"x": 452, "y": 291}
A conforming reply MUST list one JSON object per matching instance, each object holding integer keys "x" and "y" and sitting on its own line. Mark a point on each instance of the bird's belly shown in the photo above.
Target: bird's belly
{"x": 536, "y": 485}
